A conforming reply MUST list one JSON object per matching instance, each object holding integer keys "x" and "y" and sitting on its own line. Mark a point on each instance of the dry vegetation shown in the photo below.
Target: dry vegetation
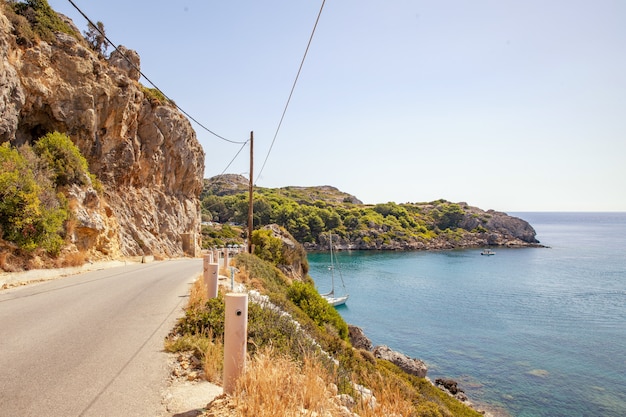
{"x": 284, "y": 377}
{"x": 13, "y": 259}
{"x": 276, "y": 385}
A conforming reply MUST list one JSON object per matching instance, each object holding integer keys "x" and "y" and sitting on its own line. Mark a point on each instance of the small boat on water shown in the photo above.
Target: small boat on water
{"x": 330, "y": 297}
{"x": 487, "y": 252}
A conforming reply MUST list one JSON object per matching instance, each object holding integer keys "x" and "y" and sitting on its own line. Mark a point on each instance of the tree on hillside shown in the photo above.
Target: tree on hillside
{"x": 448, "y": 215}
{"x": 96, "y": 37}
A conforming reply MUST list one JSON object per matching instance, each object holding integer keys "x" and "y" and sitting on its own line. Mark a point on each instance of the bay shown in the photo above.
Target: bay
{"x": 531, "y": 332}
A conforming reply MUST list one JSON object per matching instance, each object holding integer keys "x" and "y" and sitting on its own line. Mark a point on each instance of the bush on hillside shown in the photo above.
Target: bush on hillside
{"x": 31, "y": 213}
{"x": 43, "y": 21}
{"x": 204, "y": 320}
{"x": 33, "y": 210}
{"x": 268, "y": 247}
{"x": 64, "y": 159}
{"x": 305, "y": 296}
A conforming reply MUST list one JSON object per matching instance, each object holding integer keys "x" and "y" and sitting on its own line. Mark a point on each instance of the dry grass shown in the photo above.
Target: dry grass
{"x": 274, "y": 385}
{"x": 7, "y": 262}
{"x": 74, "y": 259}
{"x": 214, "y": 361}
{"x": 209, "y": 350}
{"x": 14, "y": 260}
{"x": 197, "y": 293}
{"x": 390, "y": 399}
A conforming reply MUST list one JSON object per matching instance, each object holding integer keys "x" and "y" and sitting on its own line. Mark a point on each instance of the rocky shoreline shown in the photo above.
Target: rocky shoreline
{"x": 187, "y": 372}
{"x": 411, "y": 366}
{"x": 476, "y": 229}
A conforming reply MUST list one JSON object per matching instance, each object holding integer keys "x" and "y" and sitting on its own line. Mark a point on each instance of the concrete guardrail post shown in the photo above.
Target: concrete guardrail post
{"x": 235, "y": 338}
{"x": 226, "y": 261}
{"x": 210, "y": 276}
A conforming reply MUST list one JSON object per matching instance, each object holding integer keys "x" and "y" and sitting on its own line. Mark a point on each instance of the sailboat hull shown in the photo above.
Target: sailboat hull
{"x": 336, "y": 301}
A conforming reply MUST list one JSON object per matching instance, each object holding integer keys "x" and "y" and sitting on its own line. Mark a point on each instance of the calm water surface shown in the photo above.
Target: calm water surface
{"x": 534, "y": 332}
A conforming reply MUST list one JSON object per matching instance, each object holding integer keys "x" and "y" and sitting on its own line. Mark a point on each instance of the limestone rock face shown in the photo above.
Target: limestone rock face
{"x": 145, "y": 153}
{"x": 126, "y": 60}
{"x": 409, "y": 365}
{"x": 11, "y": 95}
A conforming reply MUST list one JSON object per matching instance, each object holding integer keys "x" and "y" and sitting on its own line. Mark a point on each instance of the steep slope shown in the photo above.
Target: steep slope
{"x": 143, "y": 151}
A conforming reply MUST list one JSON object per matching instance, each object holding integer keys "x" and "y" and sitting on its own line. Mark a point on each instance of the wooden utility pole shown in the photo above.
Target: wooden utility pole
{"x": 250, "y": 201}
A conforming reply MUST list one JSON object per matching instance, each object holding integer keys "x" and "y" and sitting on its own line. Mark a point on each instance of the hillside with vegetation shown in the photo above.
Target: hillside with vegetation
{"x": 93, "y": 165}
{"x": 312, "y": 214}
{"x": 303, "y": 359}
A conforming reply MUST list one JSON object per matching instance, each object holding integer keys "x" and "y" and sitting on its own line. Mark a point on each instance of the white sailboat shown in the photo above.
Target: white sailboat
{"x": 332, "y": 299}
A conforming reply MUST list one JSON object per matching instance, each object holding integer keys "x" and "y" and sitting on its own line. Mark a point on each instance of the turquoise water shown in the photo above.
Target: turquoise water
{"x": 532, "y": 332}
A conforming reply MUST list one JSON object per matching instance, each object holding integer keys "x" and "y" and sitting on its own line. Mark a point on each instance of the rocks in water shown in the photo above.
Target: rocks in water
{"x": 358, "y": 338}
{"x": 409, "y": 365}
{"x": 451, "y": 387}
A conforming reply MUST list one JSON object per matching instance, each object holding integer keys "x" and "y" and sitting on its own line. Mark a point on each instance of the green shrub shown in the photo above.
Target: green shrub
{"x": 268, "y": 327}
{"x": 220, "y": 235}
{"x": 31, "y": 214}
{"x": 267, "y": 247}
{"x": 305, "y": 296}
{"x": 64, "y": 158}
{"x": 32, "y": 211}
{"x": 204, "y": 320}
{"x": 43, "y": 20}
{"x": 154, "y": 96}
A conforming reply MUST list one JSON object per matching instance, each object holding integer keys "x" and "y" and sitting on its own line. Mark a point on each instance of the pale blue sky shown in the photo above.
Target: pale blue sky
{"x": 507, "y": 105}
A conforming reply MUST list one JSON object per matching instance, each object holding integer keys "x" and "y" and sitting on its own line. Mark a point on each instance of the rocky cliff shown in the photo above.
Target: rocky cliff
{"x": 143, "y": 151}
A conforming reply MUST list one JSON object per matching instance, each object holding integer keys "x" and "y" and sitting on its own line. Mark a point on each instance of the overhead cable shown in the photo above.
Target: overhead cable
{"x": 150, "y": 81}
{"x": 293, "y": 87}
{"x": 235, "y": 157}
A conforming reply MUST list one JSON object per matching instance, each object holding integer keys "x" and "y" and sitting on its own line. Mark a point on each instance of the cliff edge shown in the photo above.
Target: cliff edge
{"x": 142, "y": 149}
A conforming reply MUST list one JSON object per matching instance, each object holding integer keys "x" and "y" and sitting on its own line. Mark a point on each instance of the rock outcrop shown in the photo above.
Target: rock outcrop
{"x": 358, "y": 339}
{"x": 451, "y": 387}
{"x": 478, "y": 228}
{"x": 144, "y": 152}
{"x": 409, "y": 365}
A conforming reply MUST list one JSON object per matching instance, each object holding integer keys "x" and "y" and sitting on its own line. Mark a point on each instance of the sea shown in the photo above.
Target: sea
{"x": 527, "y": 332}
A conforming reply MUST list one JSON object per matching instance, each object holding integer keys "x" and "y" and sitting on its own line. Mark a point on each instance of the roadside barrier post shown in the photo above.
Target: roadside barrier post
{"x": 210, "y": 276}
{"x": 226, "y": 261}
{"x": 216, "y": 256}
{"x": 235, "y": 338}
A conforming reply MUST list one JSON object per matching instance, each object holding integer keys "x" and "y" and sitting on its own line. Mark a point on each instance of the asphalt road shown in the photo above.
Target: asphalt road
{"x": 91, "y": 344}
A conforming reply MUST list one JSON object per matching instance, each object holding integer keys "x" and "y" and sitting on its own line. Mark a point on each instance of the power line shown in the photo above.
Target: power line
{"x": 293, "y": 87}
{"x": 150, "y": 81}
{"x": 234, "y": 157}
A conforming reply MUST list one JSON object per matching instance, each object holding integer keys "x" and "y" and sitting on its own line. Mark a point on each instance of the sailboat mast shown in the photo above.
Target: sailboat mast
{"x": 332, "y": 266}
